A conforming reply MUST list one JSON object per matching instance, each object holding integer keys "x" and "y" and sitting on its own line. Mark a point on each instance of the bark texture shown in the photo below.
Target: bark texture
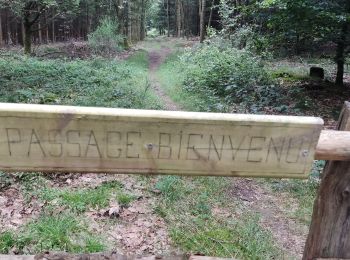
{"x": 329, "y": 235}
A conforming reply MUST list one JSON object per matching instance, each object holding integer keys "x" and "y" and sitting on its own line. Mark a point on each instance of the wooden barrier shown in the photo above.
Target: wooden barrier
{"x": 76, "y": 139}
{"x": 72, "y": 139}
{"x": 329, "y": 235}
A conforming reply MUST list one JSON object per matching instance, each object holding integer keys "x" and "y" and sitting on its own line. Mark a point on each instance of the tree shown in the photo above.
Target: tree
{"x": 202, "y": 9}
{"x": 296, "y": 26}
{"x": 30, "y": 11}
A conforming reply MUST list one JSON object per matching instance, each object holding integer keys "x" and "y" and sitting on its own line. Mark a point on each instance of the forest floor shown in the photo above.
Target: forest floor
{"x": 164, "y": 215}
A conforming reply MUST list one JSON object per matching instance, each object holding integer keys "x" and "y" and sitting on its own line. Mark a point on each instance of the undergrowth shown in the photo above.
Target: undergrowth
{"x": 172, "y": 80}
{"x": 95, "y": 82}
{"x": 59, "y": 232}
{"x": 60, "y": 225}
{"x": 207, "y": 224}
{"x": 304, "y": 191}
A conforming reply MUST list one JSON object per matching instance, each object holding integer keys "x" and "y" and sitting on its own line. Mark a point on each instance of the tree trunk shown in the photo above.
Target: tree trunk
{"x": 329, "y": 235}
{"x": 1, "y": 36}
{"x": 178, "y": 18}
{"x": 143, "y": 21}
{"x": 47, "y": 27}
{"x": 9, "y": 38}
{"x": 168, "y": 16}
{"x": 202, "y": 20}
{"x": 40, "y": 35}
{"x": 211, "y": 13}
{"x": 53, "y": 27}
{"x": 340, "y": 56}
{"x": 27, "y": 38}
{"x": 23, "y": 32}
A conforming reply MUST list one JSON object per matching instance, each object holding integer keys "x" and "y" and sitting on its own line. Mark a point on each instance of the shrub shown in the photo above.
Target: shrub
{"x": 246, "y": 38}
{"x": 106, "y": 39}
{"x": 229, "y": 73}
{"x": 97, "y": 82}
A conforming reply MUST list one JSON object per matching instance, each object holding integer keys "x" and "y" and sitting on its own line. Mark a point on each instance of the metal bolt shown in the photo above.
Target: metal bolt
{"x": 149, "y": 146}
{"x": 305, "y": 153}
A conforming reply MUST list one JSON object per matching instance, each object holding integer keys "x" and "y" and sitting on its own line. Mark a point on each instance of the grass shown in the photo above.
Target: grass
{"x": 125, "y": 199}
{"x": 171, "y": 80}
{"x": 62, "y": 232}
{"x": 60, "y": 226}
{"x": 95, "y": 82}
{"x": 304, "y": 191}
{"x": 199, "y": 229}
{"x": 79, "y": 200}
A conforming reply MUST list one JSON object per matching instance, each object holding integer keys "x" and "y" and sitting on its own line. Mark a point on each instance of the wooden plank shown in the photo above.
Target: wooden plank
{"x": 329, "y": 235}
{"x": 102, "y": 256}
{"x": 17, "y": 257}
{"x": 333, "y": 145}
{"x": 78, "y": 139}
{"x": 208, "y": 258}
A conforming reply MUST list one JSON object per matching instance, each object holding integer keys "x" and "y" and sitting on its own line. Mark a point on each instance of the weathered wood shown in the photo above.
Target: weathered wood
{"x": 102, "y": 256}
{"x": 329, "y": 235}
{"x": 76, "y": 139}
{"x": 208, "y": 258}
{"x": 333, "y": 145}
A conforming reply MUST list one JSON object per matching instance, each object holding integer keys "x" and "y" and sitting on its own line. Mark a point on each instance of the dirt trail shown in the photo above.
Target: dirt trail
{"x": 289, "y": 235}
{"x": 156, "y": 58}
{"x": 273, "y": 209}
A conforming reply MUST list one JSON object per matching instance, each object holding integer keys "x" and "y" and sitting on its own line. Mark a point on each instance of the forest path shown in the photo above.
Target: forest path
{"x": 158, "y": 50}
{"x": 253, "y": 195}
{"x": 156, "y": 59}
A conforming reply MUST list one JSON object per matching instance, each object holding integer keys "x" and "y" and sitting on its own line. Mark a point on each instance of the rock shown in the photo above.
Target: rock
{"x": 114, "y": 211}
{"x": 317, "y": 72}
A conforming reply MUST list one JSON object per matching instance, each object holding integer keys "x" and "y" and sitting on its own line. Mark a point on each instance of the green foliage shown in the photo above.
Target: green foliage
{"x": 303, "y": 190}
{"x": 106, "y": 39}
{"x": 243, "y": 239}
{"x": 236, "y": 76}
{"x": 80, "y": 200}
{"x": 98, "y": 82}
{"x": 200, "y": 229}
{"x": 62, "y": 232}
{"x": 169, "y": 186}
{"x": 20, "y": 6}
{"x": 284, "y": 27}
{"x": 7, "y": 242}
{"x": 125, "y": 199}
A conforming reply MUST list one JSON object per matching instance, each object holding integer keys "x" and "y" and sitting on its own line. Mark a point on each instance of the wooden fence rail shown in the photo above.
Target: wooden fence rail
{"x": 76, "y": 139}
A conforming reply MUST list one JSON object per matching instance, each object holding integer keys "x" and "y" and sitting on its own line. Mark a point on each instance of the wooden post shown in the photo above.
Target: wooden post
{"x": 329, "y": 235}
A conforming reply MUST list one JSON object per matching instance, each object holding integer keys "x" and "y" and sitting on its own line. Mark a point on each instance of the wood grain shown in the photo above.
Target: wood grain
{"x": 333, "y": 146}
{"x": 78, "y": 139}
{"x": 329, "y": 235}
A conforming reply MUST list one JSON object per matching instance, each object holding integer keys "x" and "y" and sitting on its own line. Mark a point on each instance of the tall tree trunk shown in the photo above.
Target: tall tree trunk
{"x": 16, "y": 29}
{"x": 53, "y": 27}
{"x": 27, "y": 37}
{"x": 143, "y": 21}
{"x": 23, "y": 32}
{"x": 47, "y": 27}
{"x": 178, "y": 18}
{"x": 211, "y": 13}
{"x": 1, "y": 36}
{"x": 202, "y": 20}
{"x": 340, "y": 56}
{"x": 126, "y": 23}
{"x": 40, "y": 35}
{"x": 9, "y": 38}
{"x": 168, "y": 16}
